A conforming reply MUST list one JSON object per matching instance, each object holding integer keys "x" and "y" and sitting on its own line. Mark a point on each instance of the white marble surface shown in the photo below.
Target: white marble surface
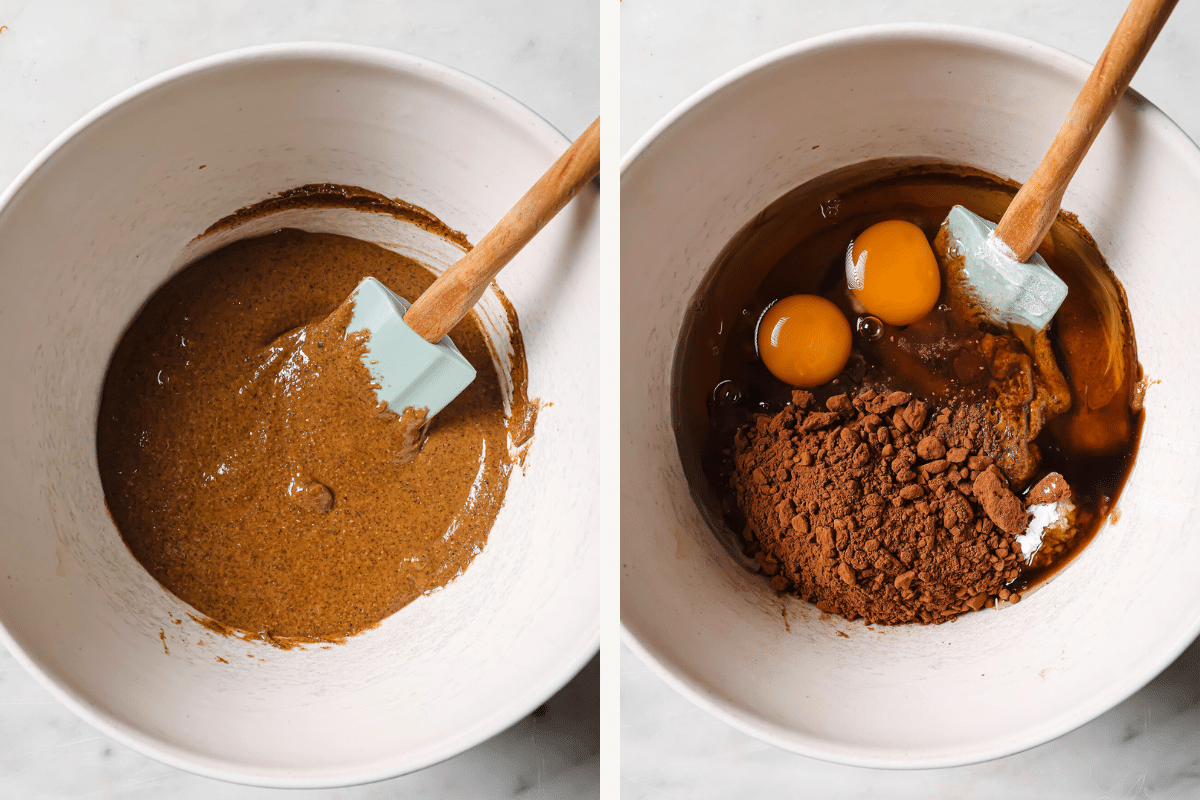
{"x": 1147, "y": 747}
{"x": 672, "y": 48}
{"x": 61, "y": 58}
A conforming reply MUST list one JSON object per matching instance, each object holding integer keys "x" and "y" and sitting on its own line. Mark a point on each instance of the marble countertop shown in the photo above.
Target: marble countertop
{"x": 61, "y": 58}
{"x": 673, "y": 48}
{"x": 1148, "y": 746}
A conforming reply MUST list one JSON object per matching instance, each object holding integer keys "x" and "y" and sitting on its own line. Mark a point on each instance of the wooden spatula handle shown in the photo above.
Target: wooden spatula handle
{"x": 1033, "y": 210}
{"x": 455, "y": 292}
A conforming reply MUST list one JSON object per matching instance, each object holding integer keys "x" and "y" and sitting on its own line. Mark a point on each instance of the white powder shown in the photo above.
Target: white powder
{"x": 1048, "y": 518}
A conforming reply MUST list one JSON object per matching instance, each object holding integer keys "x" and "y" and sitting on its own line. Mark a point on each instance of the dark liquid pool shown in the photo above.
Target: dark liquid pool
{"x": 798, "y": 245}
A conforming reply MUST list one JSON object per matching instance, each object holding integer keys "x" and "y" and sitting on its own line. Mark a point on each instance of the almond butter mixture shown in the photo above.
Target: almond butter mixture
{"x": 248, "y": 466}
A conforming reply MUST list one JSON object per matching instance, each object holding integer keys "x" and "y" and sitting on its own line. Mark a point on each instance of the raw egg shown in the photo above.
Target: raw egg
{"x": 804, "y": 340}
{"x": 892, "y": 271}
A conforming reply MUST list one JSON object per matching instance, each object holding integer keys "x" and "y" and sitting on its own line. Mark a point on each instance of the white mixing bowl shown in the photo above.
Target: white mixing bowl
{"x": 994, "y": 682}
{"x": 102, "y": 218}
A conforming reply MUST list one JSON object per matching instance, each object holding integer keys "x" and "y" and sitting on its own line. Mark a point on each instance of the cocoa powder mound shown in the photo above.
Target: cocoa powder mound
{"x": 879, "y": 507}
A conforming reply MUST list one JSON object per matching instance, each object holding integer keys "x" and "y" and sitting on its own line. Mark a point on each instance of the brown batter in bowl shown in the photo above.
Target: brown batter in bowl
{"x": 251, "y": 471}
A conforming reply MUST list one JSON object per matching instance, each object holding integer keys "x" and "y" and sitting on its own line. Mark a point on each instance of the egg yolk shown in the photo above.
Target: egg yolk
{"x": 804, "y": 340}
{"x": 899, "y": 281}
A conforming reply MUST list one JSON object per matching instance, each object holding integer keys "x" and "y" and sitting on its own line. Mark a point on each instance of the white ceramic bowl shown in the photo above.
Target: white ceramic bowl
{"x": 103, "y": 217}
{"x": 991, "y": 683}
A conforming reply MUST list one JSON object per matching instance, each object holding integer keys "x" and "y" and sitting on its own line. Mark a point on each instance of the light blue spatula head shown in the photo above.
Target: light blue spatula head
{"x": 411, "y": 372}
{"x": 1009, "y": 292}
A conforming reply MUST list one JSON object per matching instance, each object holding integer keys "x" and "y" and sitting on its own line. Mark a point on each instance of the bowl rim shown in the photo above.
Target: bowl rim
{"x": 980, "y": 39}
{"x": 141, "y": 741}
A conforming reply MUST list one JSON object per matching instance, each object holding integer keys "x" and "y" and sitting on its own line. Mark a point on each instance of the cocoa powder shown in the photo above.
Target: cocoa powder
{"x": 879, "y": 507}
{"x": 1049, "y": 489}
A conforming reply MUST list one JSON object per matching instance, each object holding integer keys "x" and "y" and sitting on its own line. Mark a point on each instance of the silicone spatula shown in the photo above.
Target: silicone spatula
{"x": 1001, "y": 271}
{"x": 410, "y": 356}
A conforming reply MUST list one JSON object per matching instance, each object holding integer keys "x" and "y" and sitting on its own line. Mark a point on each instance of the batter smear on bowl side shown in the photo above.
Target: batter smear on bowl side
{"x": 865, "y": 438}
{"x": 249, "y": 467}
